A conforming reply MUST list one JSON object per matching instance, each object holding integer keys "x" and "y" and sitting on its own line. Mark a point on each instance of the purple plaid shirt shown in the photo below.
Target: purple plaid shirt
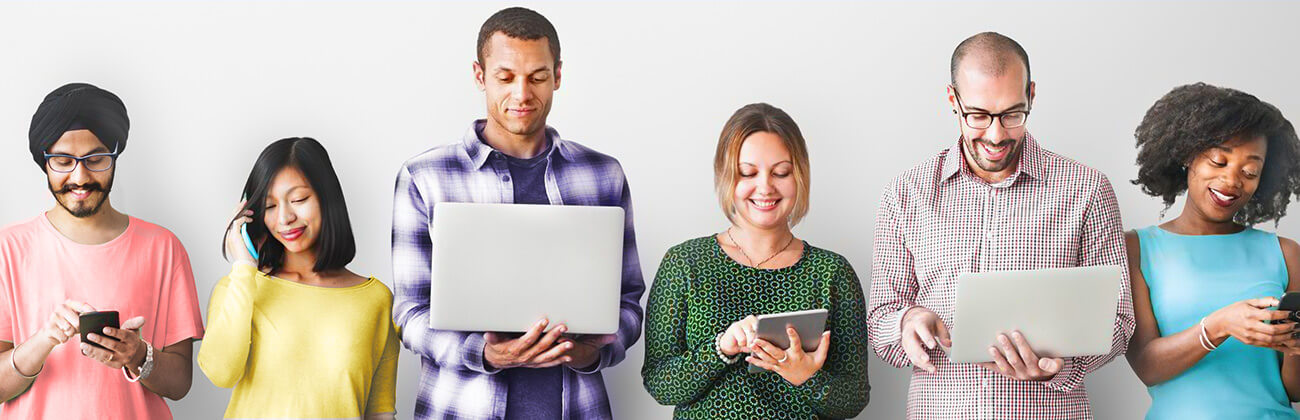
{"x": 454, "y": 381}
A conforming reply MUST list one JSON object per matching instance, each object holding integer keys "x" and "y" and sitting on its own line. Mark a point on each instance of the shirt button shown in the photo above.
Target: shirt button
{"x": 505, "y": 178}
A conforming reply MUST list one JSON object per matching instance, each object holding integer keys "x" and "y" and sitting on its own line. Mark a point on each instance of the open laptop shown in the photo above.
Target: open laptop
{"x": 1063, "y": 312}
{"x": 503, "y": 267}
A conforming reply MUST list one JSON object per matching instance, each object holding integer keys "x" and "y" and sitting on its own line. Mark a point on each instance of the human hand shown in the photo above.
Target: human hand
{"x": 1015, "y": 358}
{"x": 533, "y": 349}
{"x": 122, "y": 346}
{"x": 235, "y": 248}
{"x": 793, "y": 364}
{"x": 1247, "y": 321}
{"x": 586, "y": 349}
{"x": 64, "y": 322}
{"x": 923, "y": 330}
{"x": 739, "y": 336}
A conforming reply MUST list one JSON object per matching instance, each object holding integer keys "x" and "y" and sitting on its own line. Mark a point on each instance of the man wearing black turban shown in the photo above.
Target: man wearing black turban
{"x": 82, "y": 256}
{"x": 83, "y": 114}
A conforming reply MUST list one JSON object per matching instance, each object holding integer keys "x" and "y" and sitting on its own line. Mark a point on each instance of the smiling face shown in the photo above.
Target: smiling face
{"x": 81, "y": 192}
{"x": 1221, "y": 180}
{"x": 518, "y": 78}
{"x": 991, "y": 153}
{"x": 292, "y": 212}
{"x": 765, "y": 191}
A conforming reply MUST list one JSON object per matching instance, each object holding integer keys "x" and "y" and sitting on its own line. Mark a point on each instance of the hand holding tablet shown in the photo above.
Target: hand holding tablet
{"x": 791, "y": 344}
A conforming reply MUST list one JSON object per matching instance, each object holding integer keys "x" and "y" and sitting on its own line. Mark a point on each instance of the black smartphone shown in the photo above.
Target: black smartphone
{"x": 95, "y": 322}
{"x": 1290, "y": 302}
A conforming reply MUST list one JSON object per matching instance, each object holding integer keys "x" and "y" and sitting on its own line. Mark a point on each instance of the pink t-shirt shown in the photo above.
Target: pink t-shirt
{"x": 144, "y": 272}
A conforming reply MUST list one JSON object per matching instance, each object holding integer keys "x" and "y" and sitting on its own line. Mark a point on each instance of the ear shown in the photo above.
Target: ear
{"x": 557, "y": 74}
{"x": 952, "y": 100}
{"x": 479, "y": 75}
{"x": 1033, "y": 87}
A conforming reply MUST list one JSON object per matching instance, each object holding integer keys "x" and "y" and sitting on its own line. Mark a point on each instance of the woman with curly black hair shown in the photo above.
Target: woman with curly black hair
{"x": 1206, "y": 282}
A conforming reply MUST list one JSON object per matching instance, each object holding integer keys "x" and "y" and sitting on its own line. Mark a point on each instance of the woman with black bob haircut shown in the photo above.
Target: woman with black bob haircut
{"x": 294, "y": 331}
{"x": 1210, "y": 341}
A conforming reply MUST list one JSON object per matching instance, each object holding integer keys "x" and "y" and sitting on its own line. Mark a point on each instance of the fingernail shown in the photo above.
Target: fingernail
{"x": 108, "y": 330}
{"x": 1016, "y": 334}
{"x": 1002, "y": 339}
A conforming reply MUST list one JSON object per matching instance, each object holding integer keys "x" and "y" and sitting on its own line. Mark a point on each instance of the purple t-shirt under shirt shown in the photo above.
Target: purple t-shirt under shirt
{"x": 532, "y": 393}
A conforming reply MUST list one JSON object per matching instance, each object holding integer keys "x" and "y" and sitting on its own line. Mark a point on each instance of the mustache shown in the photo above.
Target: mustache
{"x": 994, "y": 143}
{"x": 89, "y": 187}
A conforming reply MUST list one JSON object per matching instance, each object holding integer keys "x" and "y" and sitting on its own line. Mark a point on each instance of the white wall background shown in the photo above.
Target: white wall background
{"x": 208, "y": 84}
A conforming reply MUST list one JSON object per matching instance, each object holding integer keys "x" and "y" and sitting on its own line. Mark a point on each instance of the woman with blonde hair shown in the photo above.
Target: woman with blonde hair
{"x": 700, "y": 322}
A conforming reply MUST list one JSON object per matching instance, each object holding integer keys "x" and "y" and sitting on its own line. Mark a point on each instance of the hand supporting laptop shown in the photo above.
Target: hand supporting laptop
{"x": 1013, "y": 357}
{"x": 538, "y": 348}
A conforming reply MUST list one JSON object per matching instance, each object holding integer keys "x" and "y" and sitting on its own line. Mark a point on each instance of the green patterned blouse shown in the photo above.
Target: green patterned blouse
{"x": 699, "y": 292}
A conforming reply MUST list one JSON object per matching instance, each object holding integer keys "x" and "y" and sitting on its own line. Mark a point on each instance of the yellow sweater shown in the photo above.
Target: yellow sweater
{"x": 292, "y": 350}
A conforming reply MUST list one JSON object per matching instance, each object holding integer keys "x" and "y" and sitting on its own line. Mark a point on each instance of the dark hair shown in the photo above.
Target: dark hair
{"x": 1193, "y": 118}
{"x": 336, "y": 246}
{"x": 993, "y": 46}
{"x": 519, "y": 23}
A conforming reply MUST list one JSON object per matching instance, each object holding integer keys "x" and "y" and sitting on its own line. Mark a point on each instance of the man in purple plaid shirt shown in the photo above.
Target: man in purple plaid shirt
{"x": 510, "y": 157}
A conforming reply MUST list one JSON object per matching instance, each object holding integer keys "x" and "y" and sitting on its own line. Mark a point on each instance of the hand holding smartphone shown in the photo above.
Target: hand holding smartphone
{"x": 1290, "y": 301}
{"x": 248, "y": 242}
{"x": 94, "y": 322}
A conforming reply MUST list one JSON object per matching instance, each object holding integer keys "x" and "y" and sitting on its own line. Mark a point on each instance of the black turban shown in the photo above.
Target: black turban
{"x": 78, "y": 106}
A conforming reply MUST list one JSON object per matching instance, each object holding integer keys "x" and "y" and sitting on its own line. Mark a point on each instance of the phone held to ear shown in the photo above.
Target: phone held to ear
{"x": 94, "y": 322}
{"x": 248, "y": 242}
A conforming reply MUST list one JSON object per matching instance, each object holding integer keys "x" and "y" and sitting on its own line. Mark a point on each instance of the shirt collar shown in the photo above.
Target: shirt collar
{"x": 1031, "y": 160}
{"x": 479, "y": 151}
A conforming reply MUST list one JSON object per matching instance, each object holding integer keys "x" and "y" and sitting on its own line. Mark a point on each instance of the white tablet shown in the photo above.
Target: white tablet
{"x": 808, "y": 324}
{"x": 1063, "y": 312}
{"x": 502, "y": 267}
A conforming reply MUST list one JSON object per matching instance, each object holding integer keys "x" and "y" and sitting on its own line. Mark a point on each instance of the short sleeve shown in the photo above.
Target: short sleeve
{"x": 7, "y": 303}
{"x": 178, "y": 316}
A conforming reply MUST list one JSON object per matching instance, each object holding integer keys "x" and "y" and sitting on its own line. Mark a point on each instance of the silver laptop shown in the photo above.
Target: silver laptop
{"x": 502, "y": 267}
{"x": 1063, "y": 312}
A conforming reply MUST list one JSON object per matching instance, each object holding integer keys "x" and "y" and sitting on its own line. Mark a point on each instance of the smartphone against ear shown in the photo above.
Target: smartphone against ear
{"x": 248, "y": 242}
{"x": 95, "y": 322}
{"x": 1289, "y": 302}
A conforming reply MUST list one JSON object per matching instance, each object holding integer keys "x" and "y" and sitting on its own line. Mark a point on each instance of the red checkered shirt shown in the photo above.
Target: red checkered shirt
{"x": 938, "y": 220}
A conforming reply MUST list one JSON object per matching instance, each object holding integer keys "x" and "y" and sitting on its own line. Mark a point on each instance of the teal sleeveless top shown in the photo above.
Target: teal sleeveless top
{"x": 1190, "y": 276}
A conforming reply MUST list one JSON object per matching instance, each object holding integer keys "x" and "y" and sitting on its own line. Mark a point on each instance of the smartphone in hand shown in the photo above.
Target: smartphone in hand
{"x": 95, "y": 322}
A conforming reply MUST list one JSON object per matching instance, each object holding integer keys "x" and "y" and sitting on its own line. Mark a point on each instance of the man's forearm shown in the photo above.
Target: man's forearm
{"x": 172, "y": 373}
{"x": 29, "y": 359}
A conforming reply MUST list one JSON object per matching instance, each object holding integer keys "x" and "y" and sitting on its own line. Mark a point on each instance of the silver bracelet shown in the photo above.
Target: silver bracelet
{"x": 1206, "y": 343}
{"x": 145, "y": 368}
{"x": 728, "y": 360}
{"x": 13, "y": 353}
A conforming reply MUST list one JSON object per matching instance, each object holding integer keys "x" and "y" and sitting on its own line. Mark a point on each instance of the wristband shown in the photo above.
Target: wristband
{"x": 145, "y": 368}
{"x": 13, "y": 363}
{"x": 728, "y": 360}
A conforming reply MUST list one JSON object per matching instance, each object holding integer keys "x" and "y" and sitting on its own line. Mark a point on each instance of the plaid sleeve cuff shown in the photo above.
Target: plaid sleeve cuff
{"x": 1065, "y": 380}
{"x": 890, "y": 330}
{"x": 606, "y": 353}
{"x": 473, "y": 354}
